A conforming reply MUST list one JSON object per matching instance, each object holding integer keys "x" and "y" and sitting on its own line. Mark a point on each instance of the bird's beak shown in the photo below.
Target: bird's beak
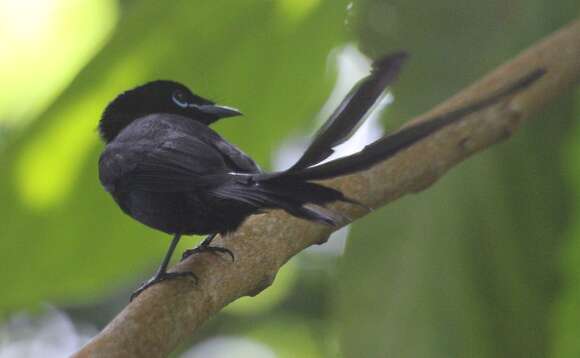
{"x": 217, "y": 111}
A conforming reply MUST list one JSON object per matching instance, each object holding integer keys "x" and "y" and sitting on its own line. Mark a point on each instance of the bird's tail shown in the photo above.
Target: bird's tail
{"x": 390, "y": 144}
{"x": 296, "y": 196}
{"x": 291, "y": 190}
{"x": 293, "y": 193}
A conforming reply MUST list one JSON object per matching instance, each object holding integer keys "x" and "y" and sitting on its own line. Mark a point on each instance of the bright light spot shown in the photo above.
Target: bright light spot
{"x": 335, "y": 245}
{"x": 349, "y": 14}
{"x": 51, "y": 162}
{"x": 229, "y": 347}
{"x": 24, "y": 20}
{"x": 296, "y": 10}
{"x": 51, "y": 335}
{"x": 43, "y": 44}
{"x": 47, "y": 166}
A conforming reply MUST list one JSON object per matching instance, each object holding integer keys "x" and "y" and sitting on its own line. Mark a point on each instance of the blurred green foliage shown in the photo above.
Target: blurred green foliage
{"x": 470, "y": 268}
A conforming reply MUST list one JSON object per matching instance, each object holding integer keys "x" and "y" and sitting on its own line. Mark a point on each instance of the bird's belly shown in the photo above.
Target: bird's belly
{"x": 187, "y": 213}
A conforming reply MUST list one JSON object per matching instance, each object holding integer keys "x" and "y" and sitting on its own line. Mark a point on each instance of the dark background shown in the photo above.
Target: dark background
{"x": 486, "y": 263}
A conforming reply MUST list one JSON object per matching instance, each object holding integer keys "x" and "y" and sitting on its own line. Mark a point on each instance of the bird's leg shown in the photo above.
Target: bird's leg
{"x": 162, "y": 273}
{"x": 205, "y": 247}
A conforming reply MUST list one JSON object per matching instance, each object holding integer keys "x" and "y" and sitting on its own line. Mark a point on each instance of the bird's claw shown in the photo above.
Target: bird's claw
{"x": 160, "y": 278}
{"x": 207, "y": 248}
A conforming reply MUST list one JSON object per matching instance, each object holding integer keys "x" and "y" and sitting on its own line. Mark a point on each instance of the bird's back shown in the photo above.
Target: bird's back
{"x": 161, "y": 170}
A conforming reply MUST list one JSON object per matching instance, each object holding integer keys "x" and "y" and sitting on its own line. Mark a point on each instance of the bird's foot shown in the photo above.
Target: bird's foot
{"x": 160, "y": 278}
{"x": 206, "y": 248}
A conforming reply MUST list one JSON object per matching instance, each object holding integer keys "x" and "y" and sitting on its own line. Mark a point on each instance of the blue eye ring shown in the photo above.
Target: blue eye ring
{"x": 179, "y": 99}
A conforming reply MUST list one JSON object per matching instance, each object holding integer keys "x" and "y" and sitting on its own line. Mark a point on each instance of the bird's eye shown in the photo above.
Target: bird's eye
{"x": 180, "y": 99}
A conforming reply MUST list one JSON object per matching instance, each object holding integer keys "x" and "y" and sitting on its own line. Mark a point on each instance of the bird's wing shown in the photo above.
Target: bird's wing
{"x": 237, "y": 160}
{"x": 181, "y": 163}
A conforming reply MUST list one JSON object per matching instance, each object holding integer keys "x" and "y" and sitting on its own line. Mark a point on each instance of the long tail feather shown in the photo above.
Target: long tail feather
{"x": 351, "y": 111}
{"x": 390, "y": 145}
{"x": 291, "y": 190}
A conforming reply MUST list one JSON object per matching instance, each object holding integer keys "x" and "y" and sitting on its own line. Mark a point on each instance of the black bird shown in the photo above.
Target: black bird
{"x": 167, "y": 169}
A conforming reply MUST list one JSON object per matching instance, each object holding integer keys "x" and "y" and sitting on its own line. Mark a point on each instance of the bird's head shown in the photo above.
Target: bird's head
{"x": 159, "y": 97}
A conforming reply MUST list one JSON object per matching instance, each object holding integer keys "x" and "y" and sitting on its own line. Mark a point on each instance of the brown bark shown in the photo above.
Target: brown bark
{"x": 169, "y": 313}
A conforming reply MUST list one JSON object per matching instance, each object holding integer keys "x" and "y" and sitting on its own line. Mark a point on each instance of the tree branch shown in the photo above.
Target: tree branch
{"x": 169, "y": 313}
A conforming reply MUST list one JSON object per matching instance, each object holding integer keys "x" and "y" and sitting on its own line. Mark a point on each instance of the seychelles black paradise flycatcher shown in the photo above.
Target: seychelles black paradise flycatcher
{"x": 166, "y": 168}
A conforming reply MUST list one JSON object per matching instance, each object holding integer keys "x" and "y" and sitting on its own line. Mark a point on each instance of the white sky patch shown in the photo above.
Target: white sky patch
{"x": 335, "y": 246}
{"x": 352, "y": 66}
{"x": 50, "y": 335}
